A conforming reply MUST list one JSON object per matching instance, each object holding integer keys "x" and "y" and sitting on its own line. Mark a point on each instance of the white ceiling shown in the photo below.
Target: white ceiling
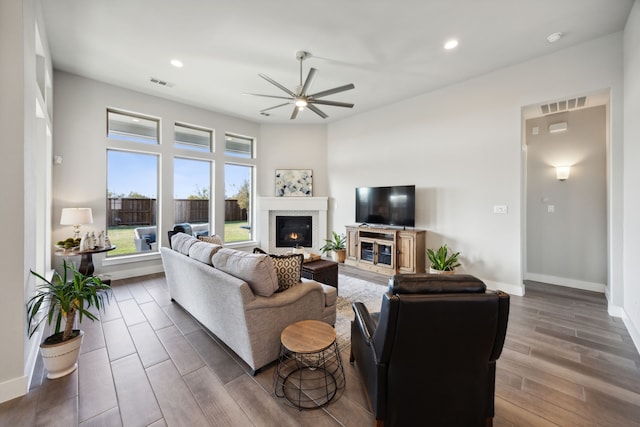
{"x": 390, "y": 50}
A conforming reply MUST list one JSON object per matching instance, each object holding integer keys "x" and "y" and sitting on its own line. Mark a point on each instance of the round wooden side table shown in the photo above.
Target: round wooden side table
{"x": 309, "y": 374}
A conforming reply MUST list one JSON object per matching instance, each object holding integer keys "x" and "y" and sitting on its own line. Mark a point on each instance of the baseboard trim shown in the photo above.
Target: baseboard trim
{"x": 633, "y": 331}
{"x": 134, "y": 272}
{"x": 563, "y": 281}
{"x": 13, "y": 388}
{"x": 508, "y": 288}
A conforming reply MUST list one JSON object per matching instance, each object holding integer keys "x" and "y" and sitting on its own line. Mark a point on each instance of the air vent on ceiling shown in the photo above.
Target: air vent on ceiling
{"x": 565, "y": 105}
{"x": 161, "y": 82}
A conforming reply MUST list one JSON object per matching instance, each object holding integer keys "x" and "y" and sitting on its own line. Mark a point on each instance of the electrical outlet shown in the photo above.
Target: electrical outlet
{"x": 551, "y": 208}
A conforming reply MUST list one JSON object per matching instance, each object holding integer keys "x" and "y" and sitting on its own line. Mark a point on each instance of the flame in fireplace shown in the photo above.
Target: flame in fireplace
{"x": 293, "y": 236}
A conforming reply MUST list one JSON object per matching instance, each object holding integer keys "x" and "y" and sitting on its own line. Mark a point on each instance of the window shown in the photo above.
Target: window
{"x": 192, "y": 138}
{"x": 238, "y": 146}
{"x": 191, "y": 193}
{"x": 132, "y": 185}
{"x": 130, "y": 127}
{"x": 238, "y": 202}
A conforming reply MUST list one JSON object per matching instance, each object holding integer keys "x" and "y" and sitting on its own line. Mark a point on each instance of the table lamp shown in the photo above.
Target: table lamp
{"x": 76, "y": 217}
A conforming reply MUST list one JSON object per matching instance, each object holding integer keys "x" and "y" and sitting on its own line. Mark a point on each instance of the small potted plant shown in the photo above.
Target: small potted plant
{"x": 441, "y": 261}
{"x": 61, "y": 298}
{"x": 336, "y": 245}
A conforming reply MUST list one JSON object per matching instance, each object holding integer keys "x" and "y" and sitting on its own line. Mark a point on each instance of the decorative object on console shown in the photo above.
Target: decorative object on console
{"x": 441, "y": 261}
{"x": 294, "y": 183}
{"x": 62, "y": 298}
{"x": 76, "y": 217}
{"x": 337, "y": 246}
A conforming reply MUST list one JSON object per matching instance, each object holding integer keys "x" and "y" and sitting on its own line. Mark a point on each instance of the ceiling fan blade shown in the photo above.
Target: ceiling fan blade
{"x": 317, "y": 110}
{"x": 269, "y": 96}
{"x": 308, "y": 81}
{"x": 277, "y": 106}
{"x": 332, "y": 91}
{"x": 278, "y": 85}
{"x": 294, "y": 114}
{"x": 332, "y": 103}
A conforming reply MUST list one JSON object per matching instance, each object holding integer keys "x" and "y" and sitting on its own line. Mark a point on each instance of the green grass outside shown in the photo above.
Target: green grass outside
{"x": 122, "y": 237}
{"x": 234, "y": 233}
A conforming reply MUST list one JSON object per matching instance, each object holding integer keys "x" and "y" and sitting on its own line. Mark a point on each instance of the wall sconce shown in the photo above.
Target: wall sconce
{"x": 76, "y": 217}
{"x": 562, "y": 172}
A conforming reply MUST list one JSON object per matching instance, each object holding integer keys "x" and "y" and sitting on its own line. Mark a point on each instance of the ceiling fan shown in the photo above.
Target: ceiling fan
{"x": 300, "y": 97}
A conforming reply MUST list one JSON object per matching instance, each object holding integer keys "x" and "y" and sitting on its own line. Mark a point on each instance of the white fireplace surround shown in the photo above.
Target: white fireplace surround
{"x": 270, "y": 207}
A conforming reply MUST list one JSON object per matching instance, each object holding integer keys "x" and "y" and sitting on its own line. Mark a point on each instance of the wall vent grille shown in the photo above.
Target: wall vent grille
{"x": 161, "y": 82}
{"x": 564, "y": 105}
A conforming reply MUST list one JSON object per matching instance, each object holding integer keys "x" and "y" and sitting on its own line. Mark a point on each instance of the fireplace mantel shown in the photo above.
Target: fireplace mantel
{"x": 269, "y": 207}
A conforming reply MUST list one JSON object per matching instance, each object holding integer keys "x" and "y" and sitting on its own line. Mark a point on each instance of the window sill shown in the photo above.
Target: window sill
{"x": 128, "y": 259}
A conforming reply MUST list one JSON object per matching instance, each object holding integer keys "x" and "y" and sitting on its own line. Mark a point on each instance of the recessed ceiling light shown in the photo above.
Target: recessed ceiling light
{"x": 451, "y": 44}
{"x": 552, "y": 38}
{"x": 176, "y": 63}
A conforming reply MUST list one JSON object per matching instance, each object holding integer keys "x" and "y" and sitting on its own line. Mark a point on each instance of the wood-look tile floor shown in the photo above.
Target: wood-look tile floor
{"x": 566, "y": 362}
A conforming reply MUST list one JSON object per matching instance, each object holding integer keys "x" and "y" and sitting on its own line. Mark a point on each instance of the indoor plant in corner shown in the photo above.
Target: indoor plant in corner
{"x": 61, "y": 298}
{"x": 336, "y": 245}
{"x": 441, "y": 261}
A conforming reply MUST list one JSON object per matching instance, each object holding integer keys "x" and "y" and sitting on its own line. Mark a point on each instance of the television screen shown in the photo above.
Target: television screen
{"x": 394, "y": 205}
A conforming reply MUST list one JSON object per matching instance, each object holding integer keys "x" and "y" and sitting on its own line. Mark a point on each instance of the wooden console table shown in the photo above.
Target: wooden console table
{"x": 386, "y": 250}
{"x": 86, "y": 261}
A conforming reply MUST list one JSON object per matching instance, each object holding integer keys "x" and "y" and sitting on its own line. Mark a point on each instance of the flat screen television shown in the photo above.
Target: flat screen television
{"x": 395, "y": 205}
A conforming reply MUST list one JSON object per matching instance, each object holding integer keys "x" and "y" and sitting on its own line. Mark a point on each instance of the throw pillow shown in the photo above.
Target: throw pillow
{"x": 288, "y": 269}
{"x": 215, "y": 239}
{"x": 255, "y": 269}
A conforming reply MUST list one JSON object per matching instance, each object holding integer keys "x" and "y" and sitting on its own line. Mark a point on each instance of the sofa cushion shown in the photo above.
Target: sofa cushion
{"x": 215, "y": 239}
{"x": 203, "y": 251}
{"x": 288, "y": 268}
{"x": 182, "y": 242}
{"x": 255, "y": 269}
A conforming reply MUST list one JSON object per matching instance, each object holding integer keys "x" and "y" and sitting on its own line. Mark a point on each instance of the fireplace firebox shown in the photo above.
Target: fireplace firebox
{"x": 292, "y": 231}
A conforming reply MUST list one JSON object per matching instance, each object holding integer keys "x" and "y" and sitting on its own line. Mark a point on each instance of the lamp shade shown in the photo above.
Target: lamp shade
{"x": 76, "y": 216}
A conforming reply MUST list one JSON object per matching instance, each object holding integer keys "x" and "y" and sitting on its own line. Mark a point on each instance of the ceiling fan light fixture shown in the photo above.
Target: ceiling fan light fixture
{"x": 301, "y": 102}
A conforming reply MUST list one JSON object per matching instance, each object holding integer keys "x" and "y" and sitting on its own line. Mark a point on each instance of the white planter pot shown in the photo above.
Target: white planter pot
{"x": 62, "y": 358}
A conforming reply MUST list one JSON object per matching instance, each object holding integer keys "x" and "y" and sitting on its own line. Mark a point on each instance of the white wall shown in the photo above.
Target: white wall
{"x": 23, "y": 179}
{"x": 568, "y": 245}
{"x": 461, "y": 147}
{"x": 80, "y": 138}
{"x": 292, "y": 147}
{"x": 632, "y": 173}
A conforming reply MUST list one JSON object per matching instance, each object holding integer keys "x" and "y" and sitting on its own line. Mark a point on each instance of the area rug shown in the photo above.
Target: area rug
{"x": 352, "y": 290}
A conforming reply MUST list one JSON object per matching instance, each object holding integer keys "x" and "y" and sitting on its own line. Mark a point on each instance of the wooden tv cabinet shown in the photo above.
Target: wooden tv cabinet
{"x": 386, "y": 250}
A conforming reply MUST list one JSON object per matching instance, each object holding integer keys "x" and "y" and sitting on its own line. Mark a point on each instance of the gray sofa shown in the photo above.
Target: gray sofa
{"x": 232, "y": 307}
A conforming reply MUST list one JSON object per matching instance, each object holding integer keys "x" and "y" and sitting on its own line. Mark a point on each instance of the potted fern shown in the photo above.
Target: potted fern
{"x": 441, "y": 261}
{"x": 61, "y": 298}
{"x": 337, "y": 246}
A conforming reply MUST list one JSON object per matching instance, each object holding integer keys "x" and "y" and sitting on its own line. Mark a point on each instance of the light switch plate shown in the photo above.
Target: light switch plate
{"x": 500, "y": 209}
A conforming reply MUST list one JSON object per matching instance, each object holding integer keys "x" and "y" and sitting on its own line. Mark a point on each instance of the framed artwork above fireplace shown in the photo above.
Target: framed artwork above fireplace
{"x": 294, "y": 183}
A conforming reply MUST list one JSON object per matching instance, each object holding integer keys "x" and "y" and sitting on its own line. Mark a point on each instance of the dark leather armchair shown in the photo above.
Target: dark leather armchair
{"x": 179, "y": 228}
{"x": 429, "y": 356}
